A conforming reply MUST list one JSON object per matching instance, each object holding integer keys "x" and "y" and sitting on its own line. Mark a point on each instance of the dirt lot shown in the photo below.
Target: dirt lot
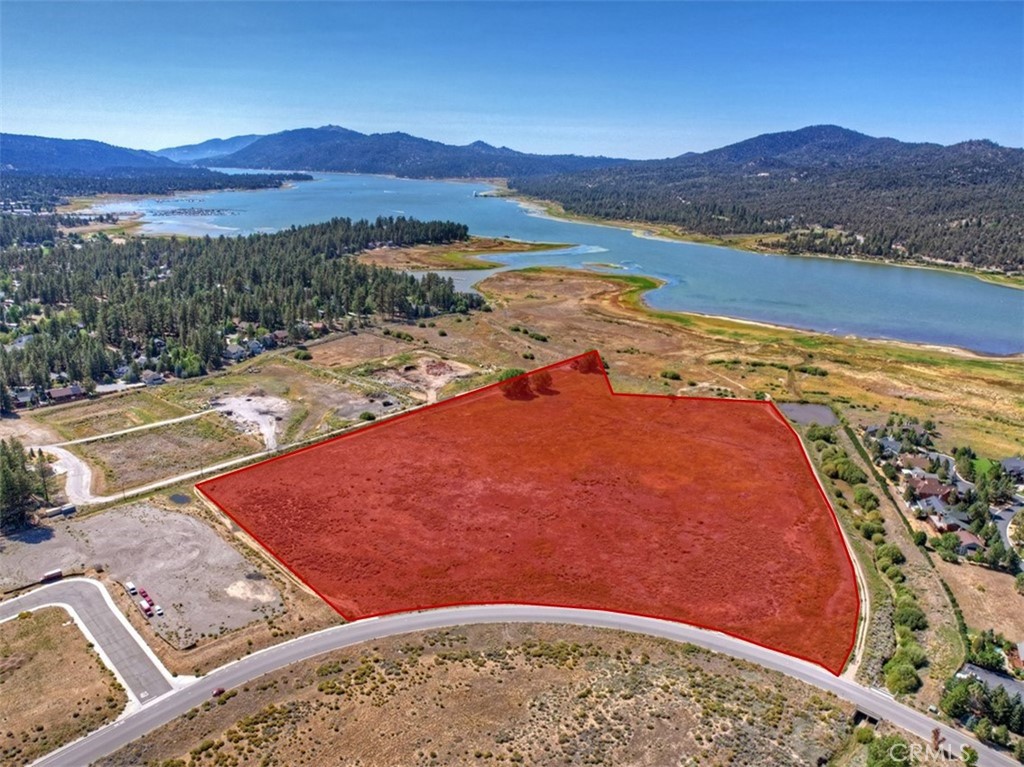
{"x": 510, "y": 694}
{"x": 987, "y": 597}
{"x": 205, "y": 587}
{"x": 136, "y": 459}
{"x": 604, "y": 501}
{"x": 106, "y": 414}
{"x": 317, "y": 400}
{"x": 420, "y": 373}
{"x": 53, "y": 687}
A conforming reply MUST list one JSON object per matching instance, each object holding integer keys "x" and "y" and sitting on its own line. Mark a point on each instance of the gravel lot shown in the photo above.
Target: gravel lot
{"x": 805, "y": 413}
{"x": 203, "y": 584}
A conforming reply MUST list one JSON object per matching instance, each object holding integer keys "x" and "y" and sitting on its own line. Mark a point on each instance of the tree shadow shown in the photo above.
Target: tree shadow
{"x": 31, "y": 534}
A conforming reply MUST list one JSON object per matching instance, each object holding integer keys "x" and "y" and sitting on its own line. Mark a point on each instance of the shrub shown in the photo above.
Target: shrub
{"x": 303, "y": 354}
{"x": 671, "y": 375}
{"x": 910, "y": 615}
{"x": 366, "y": 415}
{"x": 901, "y": 678}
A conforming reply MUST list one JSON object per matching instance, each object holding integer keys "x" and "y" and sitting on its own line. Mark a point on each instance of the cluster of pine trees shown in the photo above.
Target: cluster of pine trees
{"x": 44, "y": 191}
{"x": 104, "y": 303}
{"x": 20, "y": 481}
{"x": 961, "y": 212}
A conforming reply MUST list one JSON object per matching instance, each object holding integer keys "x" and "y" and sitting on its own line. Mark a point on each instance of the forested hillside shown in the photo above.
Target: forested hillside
{"x": 83, "y": 309}
{"x": 39, "y": 154}
{"x": 332, "y": 148}
{"x": 43, "y": 192}
{"x": 822, "y": 189}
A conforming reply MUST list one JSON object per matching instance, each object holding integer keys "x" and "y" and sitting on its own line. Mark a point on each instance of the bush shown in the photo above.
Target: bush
{"x": 303, "y": 354}
{"x": 864, "y": 498}
{"x": 910, "y": 615}
{"x": 442, "y": 332}
{"x": 366, "y": 415}
{"x": 864, "y": 735}
{"x": 824, "y": 433}
{"x": 901, "y": 678}
{"x": 671, "y": 375}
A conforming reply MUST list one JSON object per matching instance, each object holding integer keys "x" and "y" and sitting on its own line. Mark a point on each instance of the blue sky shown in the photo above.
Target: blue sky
{"x": 628, "y": 80}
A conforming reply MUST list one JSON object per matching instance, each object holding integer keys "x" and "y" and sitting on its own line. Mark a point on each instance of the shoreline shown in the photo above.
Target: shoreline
{"x": 552, "y": 210}
{"x": 633, "y": 288}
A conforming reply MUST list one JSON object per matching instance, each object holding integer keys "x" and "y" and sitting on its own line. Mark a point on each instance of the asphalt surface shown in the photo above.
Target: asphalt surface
{"x": 106, "y": 628}
{"x": 138, "y": 724}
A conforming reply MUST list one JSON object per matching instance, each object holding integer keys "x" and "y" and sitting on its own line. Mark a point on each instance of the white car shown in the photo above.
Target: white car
{"x": 130, "y": 588}
{"x": 158, "y": 610}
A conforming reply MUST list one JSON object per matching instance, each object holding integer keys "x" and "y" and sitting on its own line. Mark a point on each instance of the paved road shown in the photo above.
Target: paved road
{"x": 120, "y": 647}
{"x": 118, "y": 734}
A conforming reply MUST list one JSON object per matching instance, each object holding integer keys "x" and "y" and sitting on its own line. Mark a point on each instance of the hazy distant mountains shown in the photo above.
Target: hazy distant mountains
{"x": 213, "y": 148}
{"x": 36, "y": 154}
{"x": 332, "y": 148}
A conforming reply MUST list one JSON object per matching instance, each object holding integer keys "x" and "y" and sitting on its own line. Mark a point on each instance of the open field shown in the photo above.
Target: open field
{"x": 650, "y": 505}
{"x": 546, "y": 695}
{"x": 138, "y": 407}
{"x": 974, "y": 400}
{"x": 138, "y": 458}
{"x": 53, "y": 687}
{"x": 315, "y": 400}
{"x": 987, "y": 597}
{"x": 456, "y": 256}
{"x": 205, "y": 587}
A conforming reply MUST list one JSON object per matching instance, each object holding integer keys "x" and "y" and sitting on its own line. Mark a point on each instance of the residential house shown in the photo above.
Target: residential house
{"x": 969, "y": 542}
{"x": 890, "y": 446}
{"x": 929, "y": 487}
{"x": 65, "y": 393}
{"x": 1014, "y": 467}
{"x": 152, "y": 378}
{"x": 254, "y": 347}
{"x": 235, "y": 353}
{"x": 25, "y": 398}
{"x": 280, "y": 336}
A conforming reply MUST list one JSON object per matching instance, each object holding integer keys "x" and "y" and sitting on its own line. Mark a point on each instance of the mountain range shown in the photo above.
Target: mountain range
{"x": 36, "y": 154}
{"x": 332, "y": 148}
{"x": 214, "y": 147}
{"x": 822, "y": 188}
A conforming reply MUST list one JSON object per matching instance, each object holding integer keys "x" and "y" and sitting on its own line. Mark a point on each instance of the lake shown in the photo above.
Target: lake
{"x": 831, "y": 296}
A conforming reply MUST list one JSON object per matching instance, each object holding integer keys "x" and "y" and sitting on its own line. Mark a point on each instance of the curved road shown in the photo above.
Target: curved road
{"x": 112, "y": 636}
{"x": 108, "y": 739}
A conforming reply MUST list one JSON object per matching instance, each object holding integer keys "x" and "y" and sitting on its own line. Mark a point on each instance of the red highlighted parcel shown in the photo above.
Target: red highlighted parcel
{"x": 551, "y": 489}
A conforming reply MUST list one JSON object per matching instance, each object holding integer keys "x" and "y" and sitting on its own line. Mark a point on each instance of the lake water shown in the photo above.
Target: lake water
{"x": 838, "y": 297}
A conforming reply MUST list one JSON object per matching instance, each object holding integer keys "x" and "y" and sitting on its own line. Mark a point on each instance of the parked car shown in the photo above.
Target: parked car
{"x": 130, "y": 587}
{"x": 218, "y": 692}
{"x": 143, "y": 594}
{"x": 158, "y": 610}
{"x": 146, "y": 607}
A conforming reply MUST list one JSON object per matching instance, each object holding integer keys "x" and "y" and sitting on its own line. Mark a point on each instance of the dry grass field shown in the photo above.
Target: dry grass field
{"x": 53, "y": 687}
{"x": 513, "y": 694}
{"x": 138, "y": 407}
{"x": 135, "y": 459}
{"x": 987, "y": 597}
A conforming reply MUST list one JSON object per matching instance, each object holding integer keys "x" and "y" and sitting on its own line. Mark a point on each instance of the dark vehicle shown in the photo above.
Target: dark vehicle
{"x": 218, "y": 692}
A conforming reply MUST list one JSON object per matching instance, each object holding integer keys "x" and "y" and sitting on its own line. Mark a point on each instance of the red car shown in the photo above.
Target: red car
{"x": 218, "y": 692}
{"x": 144, "y": 595}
